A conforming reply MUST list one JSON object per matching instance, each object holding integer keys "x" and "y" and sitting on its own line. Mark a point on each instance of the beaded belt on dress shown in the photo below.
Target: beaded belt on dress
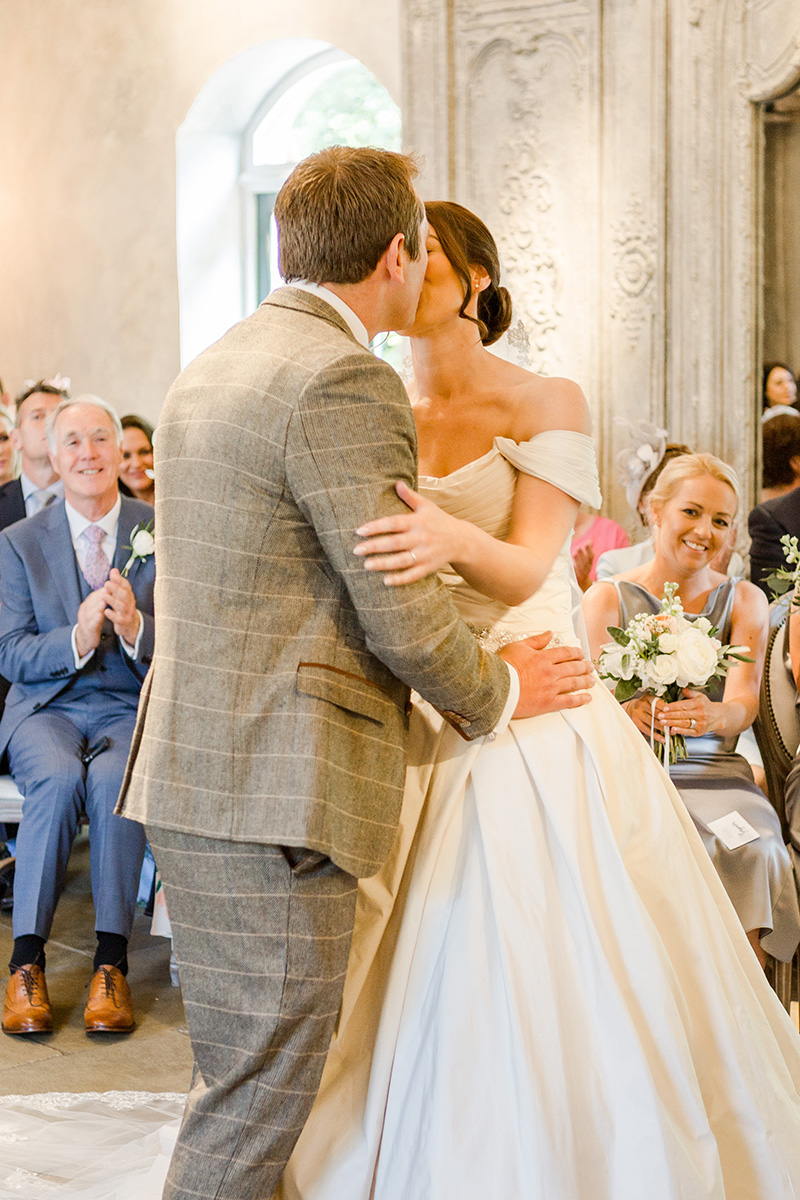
{"x": 494, "y": 639}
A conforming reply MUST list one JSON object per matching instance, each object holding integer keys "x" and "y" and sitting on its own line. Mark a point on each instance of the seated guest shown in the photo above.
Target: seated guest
{"x": 8, "y": 455}
{"x": 693, "y": 507}
{"x": 38, "y": 484}
{"x": 76, "y": 639}
{"x": 780, "y": 444}
{"x": 779, "y": 391}
{"x": 767, "y": 524}
{"x": 593, "y": 536}
{"x": 136, "y": 470}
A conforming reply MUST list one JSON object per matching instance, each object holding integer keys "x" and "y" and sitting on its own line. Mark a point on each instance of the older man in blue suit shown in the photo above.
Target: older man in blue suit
{"x": 76, "y": 639}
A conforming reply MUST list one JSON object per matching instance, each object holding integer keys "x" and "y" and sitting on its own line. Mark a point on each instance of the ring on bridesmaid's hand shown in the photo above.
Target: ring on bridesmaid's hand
{"x": 413, "y": 555}
{"x": 692, "y": 722}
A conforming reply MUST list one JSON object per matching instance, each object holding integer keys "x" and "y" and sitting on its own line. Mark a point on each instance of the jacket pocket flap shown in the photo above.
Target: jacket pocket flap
{"x": 350, "y": 692}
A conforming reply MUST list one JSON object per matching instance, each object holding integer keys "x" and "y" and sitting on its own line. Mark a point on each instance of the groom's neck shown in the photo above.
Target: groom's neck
{"x": 365, "y": 300}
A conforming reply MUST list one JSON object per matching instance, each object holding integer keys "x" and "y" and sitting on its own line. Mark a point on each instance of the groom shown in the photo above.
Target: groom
{"x": 269, "y": 755}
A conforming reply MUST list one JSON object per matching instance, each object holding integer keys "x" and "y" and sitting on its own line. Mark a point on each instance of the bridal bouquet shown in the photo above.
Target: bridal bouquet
{"x": 662, "y": 653}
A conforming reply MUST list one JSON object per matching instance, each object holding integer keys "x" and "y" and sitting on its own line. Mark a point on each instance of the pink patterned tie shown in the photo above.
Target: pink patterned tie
{"x": 97, "y": 566}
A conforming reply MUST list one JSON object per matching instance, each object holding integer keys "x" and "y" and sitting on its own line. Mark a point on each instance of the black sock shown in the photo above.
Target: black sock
{"x": 27, "y": 949}
{"x": 112, "y": 951}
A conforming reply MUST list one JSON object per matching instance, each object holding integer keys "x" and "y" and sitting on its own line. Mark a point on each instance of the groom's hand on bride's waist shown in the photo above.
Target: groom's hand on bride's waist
{"x": 550, "y": 679}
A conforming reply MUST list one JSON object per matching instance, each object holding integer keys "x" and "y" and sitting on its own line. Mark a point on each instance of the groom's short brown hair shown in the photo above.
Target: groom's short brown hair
{"x": 339, "y": 210}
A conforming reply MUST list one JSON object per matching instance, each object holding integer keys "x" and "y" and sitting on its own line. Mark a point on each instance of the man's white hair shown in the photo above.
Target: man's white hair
{"x": 88, "y": 398}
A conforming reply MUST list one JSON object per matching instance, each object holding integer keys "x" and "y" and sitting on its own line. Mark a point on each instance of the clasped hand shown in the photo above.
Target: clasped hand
{"x": 692, "y": 717}
{"x": 411, "y": 545}
{"x": 114, "y": 600}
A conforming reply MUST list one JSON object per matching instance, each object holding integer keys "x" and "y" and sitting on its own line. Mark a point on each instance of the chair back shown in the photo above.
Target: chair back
{"x": 777, "y": 726}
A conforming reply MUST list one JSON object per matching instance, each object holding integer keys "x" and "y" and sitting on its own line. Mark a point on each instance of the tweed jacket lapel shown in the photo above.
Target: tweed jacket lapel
{"x": 55, "y": 544}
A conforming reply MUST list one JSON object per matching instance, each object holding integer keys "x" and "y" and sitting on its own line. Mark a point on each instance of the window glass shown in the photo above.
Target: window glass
{"x": 340, "y": 104}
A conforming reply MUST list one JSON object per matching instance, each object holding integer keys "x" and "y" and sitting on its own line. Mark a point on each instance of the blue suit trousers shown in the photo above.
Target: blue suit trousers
{"x": 44, "y": 755}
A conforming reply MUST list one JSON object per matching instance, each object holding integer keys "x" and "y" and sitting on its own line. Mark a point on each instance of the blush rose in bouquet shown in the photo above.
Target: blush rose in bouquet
{"x": 661, "y": 654}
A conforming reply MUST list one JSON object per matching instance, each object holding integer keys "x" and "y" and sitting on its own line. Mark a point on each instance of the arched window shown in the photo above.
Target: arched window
{"x": 254, "y": 120}
{"x": 329, "y": 100}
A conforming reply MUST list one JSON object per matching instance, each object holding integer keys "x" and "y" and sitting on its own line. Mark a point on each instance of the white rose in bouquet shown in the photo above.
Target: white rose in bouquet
{"x": 659, "y": 672}
{"x": 703, "y": 624}
{"x": 619, "y": 661}
{"x": 668, "y": 643}
{"x": 696, "y": 658}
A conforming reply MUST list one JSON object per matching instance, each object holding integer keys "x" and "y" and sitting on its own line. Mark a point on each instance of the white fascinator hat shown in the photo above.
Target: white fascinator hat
{"x": 640, "y": 458}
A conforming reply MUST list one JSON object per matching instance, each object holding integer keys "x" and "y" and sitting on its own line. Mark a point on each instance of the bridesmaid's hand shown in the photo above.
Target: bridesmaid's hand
{"x": 692, "y": 716}
{"x": 411, "y": 545}
{"x": 640, "y": 712}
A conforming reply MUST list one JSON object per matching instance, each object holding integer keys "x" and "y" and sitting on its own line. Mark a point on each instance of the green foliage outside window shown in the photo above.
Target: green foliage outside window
{"x": 349, "y": 108}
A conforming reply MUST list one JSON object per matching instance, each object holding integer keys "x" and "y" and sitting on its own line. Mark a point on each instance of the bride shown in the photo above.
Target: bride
{"x": 534, "y": 1007}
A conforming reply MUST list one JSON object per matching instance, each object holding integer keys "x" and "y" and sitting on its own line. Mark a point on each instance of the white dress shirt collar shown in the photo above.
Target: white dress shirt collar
{"x": 78, "y": 524}
{"x": 28, "y": 487}
{"x": 354, "y": 323}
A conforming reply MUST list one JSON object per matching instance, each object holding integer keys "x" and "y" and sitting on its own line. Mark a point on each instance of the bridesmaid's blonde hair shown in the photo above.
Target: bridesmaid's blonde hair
{"x": 691, "y": 466}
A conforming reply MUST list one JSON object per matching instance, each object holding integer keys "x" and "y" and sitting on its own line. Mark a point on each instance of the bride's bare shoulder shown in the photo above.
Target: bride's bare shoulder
{"x": 552, "y": 403}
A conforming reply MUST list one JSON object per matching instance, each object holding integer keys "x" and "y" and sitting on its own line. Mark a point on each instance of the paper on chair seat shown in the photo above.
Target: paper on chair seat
{"x": 733, "y": 831}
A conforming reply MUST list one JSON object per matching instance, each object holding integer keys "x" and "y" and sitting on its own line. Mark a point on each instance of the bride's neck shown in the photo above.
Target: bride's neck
{"x": 447, "y": 361}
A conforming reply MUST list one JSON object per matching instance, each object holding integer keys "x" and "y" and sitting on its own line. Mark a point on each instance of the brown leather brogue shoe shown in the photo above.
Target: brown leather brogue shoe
{"x": 27, "y": 1006}
{"x": 110, "y": 1008}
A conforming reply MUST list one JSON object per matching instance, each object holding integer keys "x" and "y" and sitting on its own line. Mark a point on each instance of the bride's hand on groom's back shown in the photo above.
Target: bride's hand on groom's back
{"x": 551, "y": 679}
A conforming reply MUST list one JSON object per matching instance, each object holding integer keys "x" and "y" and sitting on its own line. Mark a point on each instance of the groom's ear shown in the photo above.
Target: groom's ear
{"x": 394, "y": 258}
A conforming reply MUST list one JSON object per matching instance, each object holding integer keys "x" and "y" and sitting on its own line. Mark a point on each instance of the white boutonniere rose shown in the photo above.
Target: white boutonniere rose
{"x": 143, "y": 544}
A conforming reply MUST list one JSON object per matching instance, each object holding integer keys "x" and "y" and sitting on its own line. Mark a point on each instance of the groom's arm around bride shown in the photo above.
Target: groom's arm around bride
{"x": 269, "y": 754}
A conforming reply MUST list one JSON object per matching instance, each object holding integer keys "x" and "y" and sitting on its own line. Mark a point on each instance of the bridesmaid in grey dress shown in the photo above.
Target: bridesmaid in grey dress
{"x": 694, "y": 505}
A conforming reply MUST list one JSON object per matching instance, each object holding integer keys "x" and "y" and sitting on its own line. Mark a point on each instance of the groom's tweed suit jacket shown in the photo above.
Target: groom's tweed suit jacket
{"x": 276, "y": 707}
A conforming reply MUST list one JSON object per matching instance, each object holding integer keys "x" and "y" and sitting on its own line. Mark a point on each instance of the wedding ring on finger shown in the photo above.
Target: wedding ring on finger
{"x": 692, "y": 722}
{"x": 413, "y": 556}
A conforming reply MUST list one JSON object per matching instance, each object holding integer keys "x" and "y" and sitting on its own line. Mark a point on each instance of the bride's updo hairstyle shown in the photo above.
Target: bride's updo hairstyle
{"x": 467, "y": 244}
{"x": 691, "y": 466}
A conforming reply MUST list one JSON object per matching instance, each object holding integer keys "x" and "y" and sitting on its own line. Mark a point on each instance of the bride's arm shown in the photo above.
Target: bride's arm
{"x": 427, "y": 539}
{"x": 509, "y": 570}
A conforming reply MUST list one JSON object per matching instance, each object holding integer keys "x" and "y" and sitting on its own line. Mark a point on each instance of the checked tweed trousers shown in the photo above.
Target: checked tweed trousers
{"x": 262, "y": 936}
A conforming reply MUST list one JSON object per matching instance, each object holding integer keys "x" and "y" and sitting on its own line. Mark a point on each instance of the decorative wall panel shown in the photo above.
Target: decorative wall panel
{"x": 614, "y": 147}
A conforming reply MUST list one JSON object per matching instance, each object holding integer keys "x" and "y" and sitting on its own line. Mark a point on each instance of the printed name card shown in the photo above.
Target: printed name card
{"x": 733, "y": 831}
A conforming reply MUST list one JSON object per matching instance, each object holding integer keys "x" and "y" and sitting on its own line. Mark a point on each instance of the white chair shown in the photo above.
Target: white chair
{"x": 10, "y": 810}
{"x": 10, "y": 800}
